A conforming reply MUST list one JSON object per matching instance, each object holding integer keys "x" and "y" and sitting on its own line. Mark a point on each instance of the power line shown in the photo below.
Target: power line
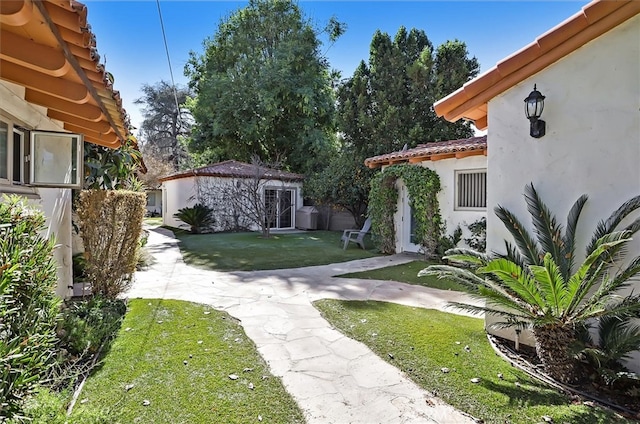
{"x": 166, "y": 48}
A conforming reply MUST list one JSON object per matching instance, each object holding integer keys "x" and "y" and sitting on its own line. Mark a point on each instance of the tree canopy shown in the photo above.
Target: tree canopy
{"x": 263, "y": 87}
{"x": 166, "y": 122}
{"x": 388, "y": 104}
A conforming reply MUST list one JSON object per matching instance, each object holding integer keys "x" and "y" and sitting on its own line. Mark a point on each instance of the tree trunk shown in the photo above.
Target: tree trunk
{"x": 553, "y": 345}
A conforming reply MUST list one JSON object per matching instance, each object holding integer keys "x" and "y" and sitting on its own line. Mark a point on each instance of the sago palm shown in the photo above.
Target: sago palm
{"x": 198, "y": 217}
{"x": 537, "y": 284}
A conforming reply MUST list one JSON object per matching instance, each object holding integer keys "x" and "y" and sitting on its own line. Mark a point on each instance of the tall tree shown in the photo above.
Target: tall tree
{"x": 262, "y": 87}
{"x": 388, "y": 103}
{"x": 166, "y": 122}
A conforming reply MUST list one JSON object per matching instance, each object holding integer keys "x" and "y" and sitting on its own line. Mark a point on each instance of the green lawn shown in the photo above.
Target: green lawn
{"x": 153, "y": 221}
{"x": 423, "y": 342}
{"x": 179, "y": 356}
{"x": 408, "y": 273}
{"x": 250, "y": 251}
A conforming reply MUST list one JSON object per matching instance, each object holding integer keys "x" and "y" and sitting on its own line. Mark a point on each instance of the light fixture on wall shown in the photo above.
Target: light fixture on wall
{"x": 533, "y": 106}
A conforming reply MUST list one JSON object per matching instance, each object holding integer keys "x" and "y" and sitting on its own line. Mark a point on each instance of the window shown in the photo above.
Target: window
{"x": 39, "y": 158}
{"x": 56, "y": 159}
{"x": 151, "y": 199}
{"x": 471, "y": 189}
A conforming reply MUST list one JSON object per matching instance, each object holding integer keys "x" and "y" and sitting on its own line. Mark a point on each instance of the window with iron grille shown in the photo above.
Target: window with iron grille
{"x": 471, "y": 189}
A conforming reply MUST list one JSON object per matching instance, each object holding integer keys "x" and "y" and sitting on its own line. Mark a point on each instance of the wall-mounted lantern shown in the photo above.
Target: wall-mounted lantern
{"x": 533, "y": 106}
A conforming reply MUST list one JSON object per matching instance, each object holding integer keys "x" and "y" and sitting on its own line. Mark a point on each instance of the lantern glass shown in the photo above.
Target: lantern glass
{"x": 534, "y": 104}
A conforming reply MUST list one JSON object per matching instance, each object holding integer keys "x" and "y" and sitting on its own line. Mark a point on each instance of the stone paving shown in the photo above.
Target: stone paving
{"x": 333, "y": 378}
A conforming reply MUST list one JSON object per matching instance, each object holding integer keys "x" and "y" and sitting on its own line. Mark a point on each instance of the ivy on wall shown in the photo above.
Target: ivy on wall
{"x": 423, "y": 185}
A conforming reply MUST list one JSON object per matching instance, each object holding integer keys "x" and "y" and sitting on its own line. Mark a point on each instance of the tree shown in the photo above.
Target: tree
{"x": 388, "y": 102}
{"x": 538, "y": 285}
{"x": 262, "y": 87}
{"x": 344, "y": 182}
{"x": 157, "y": 168}
{"x": 166, "y": 122}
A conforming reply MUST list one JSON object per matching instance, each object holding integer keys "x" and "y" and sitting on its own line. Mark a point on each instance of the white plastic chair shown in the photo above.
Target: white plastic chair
{"x": 356, "y": 236}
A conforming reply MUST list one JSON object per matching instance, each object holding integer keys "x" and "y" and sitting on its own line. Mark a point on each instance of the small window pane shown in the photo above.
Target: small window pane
{"x": 56, "y": 159}
{"x": 4, "y": 149}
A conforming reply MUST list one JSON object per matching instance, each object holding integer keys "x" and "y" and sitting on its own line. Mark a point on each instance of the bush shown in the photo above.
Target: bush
{"x": 198, "y": 218}
{"x": 28, "y": 305}
{"x": 478, "y": 239}
{"x": 87, "y": 324}
{"x": 110, "y": 225}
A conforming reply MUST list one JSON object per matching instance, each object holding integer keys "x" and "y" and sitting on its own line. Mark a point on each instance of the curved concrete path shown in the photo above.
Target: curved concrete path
{"x": 333, "y": 378}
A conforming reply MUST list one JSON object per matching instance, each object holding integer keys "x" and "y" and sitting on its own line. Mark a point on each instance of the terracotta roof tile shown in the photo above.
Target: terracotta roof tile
{"x": 432, "y": 151}
{"x": 235, "y": 169}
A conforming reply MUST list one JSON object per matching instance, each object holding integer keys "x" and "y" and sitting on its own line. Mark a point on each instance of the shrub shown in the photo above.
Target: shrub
{"x": 110, "y": 225}
{"x": 478, "y": 239}
{"x": 28, "y": 305}
{"x": 198, "y": 218}
{"x": 87, "y": 324}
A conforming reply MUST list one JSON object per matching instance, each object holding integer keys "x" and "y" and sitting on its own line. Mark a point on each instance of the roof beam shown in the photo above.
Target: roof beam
{"x": 15, "y": 13}
{"x": 85, "y": 111}
{"x": 29, "y": 54}
{"x": 58, "y": 87}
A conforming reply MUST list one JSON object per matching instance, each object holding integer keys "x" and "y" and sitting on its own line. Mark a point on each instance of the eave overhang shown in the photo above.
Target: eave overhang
{"x": 48, "y": 48}
{"x": 596, "y": 18}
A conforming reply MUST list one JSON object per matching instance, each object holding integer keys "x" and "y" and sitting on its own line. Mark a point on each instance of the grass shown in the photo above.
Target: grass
{"x": 178, "y": 356}
{"x": 154, "y": 221}
{"x": 408, "y": 273}
{"x": 424, "y": 341}
{"x": 250, "y": 251}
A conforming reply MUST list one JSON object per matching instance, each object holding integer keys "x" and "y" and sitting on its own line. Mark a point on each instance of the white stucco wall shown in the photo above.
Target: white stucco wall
{"x": 446, "y": 170}
{"x": 184, "y": 192}
{"x": 54, "y": 202}
{"x": 592, "y": 141}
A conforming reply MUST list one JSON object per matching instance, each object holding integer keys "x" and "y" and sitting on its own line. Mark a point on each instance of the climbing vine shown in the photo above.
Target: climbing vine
{"x": 423, "y": 185}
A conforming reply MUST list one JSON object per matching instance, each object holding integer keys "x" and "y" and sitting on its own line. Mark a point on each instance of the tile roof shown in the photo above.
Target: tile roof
{"x": 235, "y": 169}
{"x": 595, "y": 19}
{"x": 459, "y": 149}
{"x": 47, "y": 47}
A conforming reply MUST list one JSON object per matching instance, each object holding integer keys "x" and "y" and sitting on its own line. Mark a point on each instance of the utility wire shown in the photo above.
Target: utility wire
{"x": 166, "y": 48}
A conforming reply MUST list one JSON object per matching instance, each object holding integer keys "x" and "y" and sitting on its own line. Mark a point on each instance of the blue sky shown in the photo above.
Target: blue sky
{"x": 129, "y": 34}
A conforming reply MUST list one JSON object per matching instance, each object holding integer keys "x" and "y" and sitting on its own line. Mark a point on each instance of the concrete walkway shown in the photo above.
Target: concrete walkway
{"x": 333, "y": 378}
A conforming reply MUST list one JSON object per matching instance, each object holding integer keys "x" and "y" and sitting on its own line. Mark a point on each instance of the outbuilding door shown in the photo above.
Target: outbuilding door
{"x": 407, "y": 222}
{"x": 283, "y": 203}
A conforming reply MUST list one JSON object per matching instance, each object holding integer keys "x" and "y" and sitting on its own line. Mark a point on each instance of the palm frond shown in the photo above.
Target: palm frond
{"x": 546, "y": 227}
{"x": 618, "y": 338}
{"x": 627, "y": 273}
{"x": 460, "y": 275}
{"x": 627, "y": 307}
{"x": 617, "y": 241}
{"x": 515, "y": 279}
{"x": 552, "y": 284}
{"x": 525, "y": 242}
{"x": 504, "y": 302}
{"x": 473, "y": 255}
{"x": 591, "y": 273}
{"x": 608, "y": 226}
{"x": 479, "y": 310}
{"x": 512, "y": 255}
{"x": 570, "y": 232}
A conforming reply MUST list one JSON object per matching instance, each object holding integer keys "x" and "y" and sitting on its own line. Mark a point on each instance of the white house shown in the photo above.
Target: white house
{"x": 213, "y": 185}
{"x": 54, "y": 93}
{"x": 588, "y": 68}
{"x": 462, "y": 168}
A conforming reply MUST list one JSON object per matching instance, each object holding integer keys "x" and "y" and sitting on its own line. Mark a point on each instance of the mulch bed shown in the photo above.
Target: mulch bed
{"x": 622, "y": 396}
